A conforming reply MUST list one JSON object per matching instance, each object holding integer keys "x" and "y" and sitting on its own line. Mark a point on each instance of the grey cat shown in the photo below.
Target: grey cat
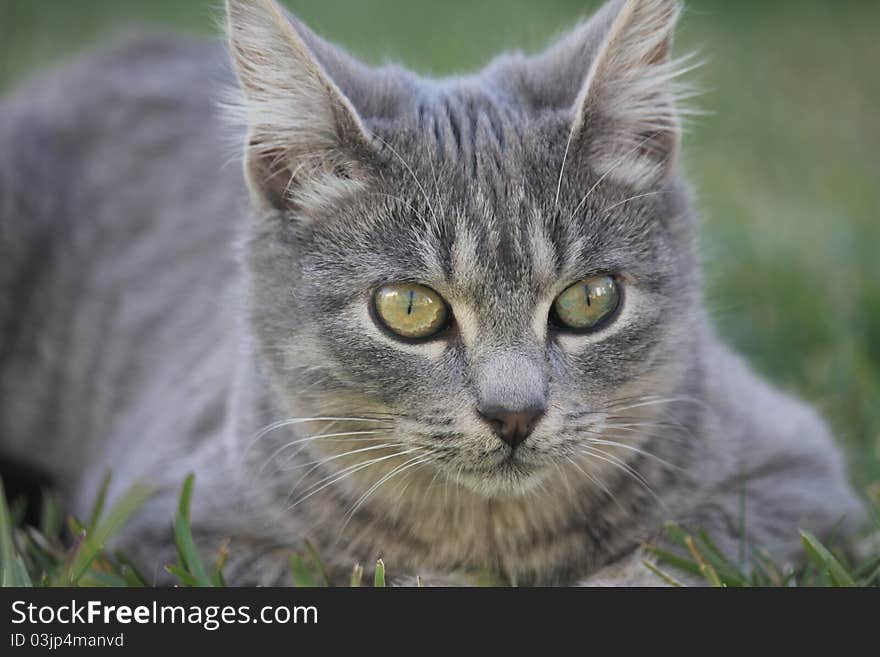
{"x": 461, "y": 329}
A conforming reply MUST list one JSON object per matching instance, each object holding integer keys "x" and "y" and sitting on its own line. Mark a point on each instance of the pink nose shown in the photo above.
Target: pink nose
{"x": 513, "y": 427}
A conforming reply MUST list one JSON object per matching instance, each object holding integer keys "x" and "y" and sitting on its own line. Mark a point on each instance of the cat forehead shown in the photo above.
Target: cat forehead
{"x": 473, "y": 128}
{"x": 479, "y": 239}
{"x": 479, "y": 183}
{"x": 473, "y": 195}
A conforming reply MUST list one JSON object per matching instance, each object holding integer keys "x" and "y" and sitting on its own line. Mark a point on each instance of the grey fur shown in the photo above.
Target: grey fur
{"x": 149, "y": 326}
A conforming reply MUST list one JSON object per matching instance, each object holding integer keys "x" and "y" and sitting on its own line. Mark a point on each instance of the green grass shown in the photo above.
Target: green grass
{"x": 76, "y": 555}
{"x": 698, "y": 555}
{"x": 52, "y": 554}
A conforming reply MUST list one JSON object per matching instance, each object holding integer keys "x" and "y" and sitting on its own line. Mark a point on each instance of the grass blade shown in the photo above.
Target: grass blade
{"x": 673, "y": 559}
{"x": 357, "y": 575}
{"x": 826, "y": 562}
{"x": 98, "y": 507}
{"x": 300, "y": 572}
{"x": 669, "y": 579}
{"x": 191, "y": 561}
{"x": 130, "y": 571}
{"x": 222, "y": 555}
{"x": 93, "y": 543}
{"x": 185, "y": 577}
{"x": 12, "y": 569}
{"x": 318, "y": 564}
{"x": 706, "y": 569}
{"x": 379, "y": 576}
{"x": 51, "y": 518}
{"x": 728, "y": 573}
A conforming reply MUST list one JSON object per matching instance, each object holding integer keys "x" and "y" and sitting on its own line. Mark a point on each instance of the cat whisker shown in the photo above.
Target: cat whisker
{"x": 642, "y": 432}
{"x": 643, "y": 397}
{"x": 436, "y": 182}
{"x": 596, "y": 481}
{"x": 337, "y": 437}
{"x": 663, "y": 419}
{"x": 623, "y": 466}
{"x": 317, "y": 463}
{"x": 285, "y": 467}
{"x": 636, "y": 427}
{"x": 430, "y": 485}
{"x": 269, "y": 428}
{"x": 338, "y": 434}
{"x": 637, "y": 450}
{"x": 414, "y": 177}
{"x": 653, "y": 401}
{"x": 302, "y": 441}
{"x": 671, "y": 430}
{"x": 633, "y": 198}
{"x": 400, "y": 200}
{"x": 619, "y": 163}
{"x": 562, "y": 168}
{"x": 633, "y": 402}
{"x": 563, "y": 475}
{"x": 400, "y": 492}
{"x": 339, "y": 475}
{"x": 413, "y": 462}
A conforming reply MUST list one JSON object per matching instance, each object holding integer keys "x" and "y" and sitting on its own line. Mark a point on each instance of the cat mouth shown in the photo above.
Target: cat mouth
{"x": 513, "y": 472}
{"x": 514, "y": 466}
{"x": 509, "y": 460}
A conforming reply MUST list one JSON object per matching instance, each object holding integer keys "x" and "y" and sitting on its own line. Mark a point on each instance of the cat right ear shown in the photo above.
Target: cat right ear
{"x": 306, "y": 144}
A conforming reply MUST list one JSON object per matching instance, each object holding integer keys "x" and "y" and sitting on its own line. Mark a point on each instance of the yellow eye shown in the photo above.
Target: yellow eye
{"x": 411, "y": 311}
{"x": 587, "y": 303}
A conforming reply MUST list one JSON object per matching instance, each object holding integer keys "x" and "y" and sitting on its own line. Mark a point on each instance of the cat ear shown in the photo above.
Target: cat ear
{"x": 625, "y": 115}
{"x": 306, "y": 143}
{"x": 616, "y": 76}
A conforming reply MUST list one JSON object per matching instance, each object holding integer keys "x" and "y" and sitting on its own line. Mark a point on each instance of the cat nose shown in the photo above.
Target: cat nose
{"x": 513, "y": 427}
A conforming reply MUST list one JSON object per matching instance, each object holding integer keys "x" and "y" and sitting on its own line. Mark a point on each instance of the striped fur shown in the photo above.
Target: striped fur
{"x": 163, "y": 313}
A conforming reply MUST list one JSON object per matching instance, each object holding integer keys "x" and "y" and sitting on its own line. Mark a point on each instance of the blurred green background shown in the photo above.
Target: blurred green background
{"x": 786, "y": 162}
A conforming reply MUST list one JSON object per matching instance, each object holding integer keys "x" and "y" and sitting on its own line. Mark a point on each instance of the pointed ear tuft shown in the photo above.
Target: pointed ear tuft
{"x": 306, "y": 144}
{"x": 626, "y": 114}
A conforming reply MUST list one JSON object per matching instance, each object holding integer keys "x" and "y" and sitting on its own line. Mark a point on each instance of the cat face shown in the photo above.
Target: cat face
{"x": 482, "y": 278}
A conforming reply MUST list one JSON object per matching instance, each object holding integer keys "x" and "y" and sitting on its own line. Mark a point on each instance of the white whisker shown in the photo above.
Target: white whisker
{"x": 595, "y": 452}
{"x": 633, "y": 198}
{"x": 621, "y": 161}
{"x": 417, "y": 460}
{"x": 301, "y": 420}
{"x": 653, "y": 401}
{"x": 595, "y": 480}
{"x": 637, "y": 450}
{"x": 321, "y": 436}
{"x": 562, "y": 168}
{"x": 317, "y": 463}
{"x": 346, "y": 472}
{"x": 414, "y": 177}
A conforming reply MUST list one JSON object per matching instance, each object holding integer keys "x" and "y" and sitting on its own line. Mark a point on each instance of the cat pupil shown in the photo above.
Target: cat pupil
{"x": 409, "y": 309}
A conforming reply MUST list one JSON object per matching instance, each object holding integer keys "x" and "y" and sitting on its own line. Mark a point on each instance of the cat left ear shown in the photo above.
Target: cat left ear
{"x": 625, "y": 114}
{"x": 306, "y": 143}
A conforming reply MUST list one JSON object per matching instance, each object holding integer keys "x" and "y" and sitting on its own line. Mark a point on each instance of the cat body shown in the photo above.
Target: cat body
{"x": 161, "y": 313}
